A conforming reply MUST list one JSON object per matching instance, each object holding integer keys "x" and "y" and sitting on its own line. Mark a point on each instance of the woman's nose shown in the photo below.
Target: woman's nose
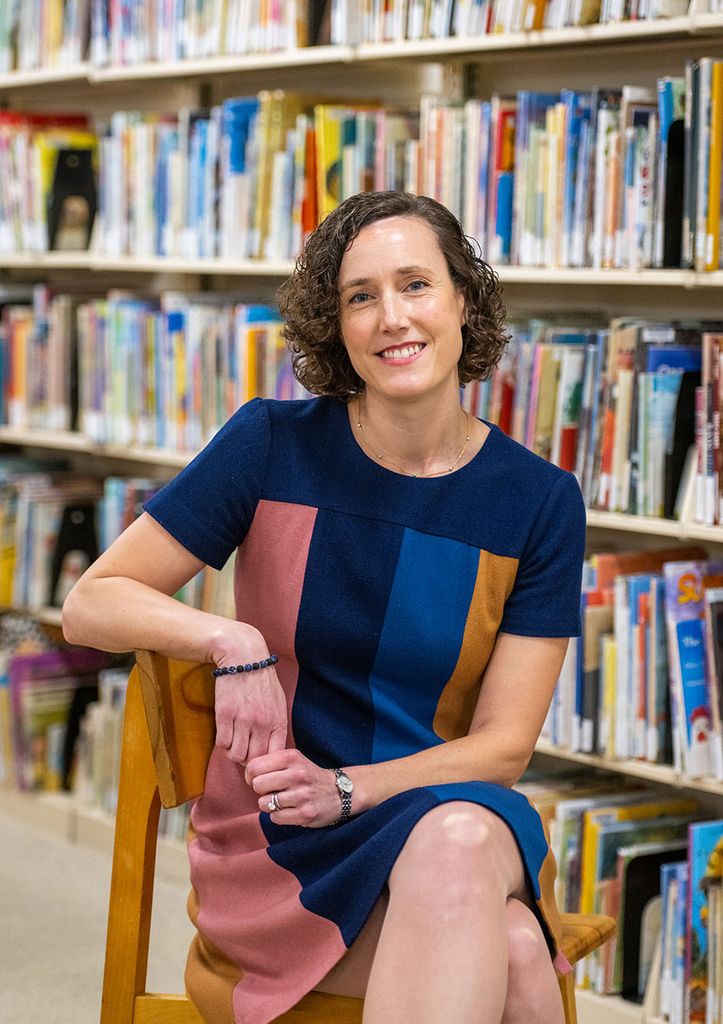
{"x": 393, "y": 312}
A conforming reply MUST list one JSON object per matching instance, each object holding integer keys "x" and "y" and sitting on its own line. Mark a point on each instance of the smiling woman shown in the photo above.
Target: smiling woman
{"x": 417, "y": 575}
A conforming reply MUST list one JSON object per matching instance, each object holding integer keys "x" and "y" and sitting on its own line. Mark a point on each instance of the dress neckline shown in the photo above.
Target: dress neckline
{"x": 361, "y": 456}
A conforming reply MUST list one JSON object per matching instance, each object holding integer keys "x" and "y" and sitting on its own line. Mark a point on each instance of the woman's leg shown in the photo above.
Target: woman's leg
{"x": 533, "y": 992}
{"x": 531, "y": 981}
{"x": 442, "y": 952}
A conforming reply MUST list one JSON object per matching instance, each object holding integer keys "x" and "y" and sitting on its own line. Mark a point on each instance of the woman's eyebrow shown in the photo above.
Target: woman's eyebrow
{"x": 359, "y": 282}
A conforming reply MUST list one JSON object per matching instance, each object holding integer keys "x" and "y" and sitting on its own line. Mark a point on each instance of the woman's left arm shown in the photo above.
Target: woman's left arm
{"x": 516, "y": 691}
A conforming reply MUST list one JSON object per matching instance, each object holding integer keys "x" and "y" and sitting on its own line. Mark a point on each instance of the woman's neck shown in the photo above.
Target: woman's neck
{"x": 420, "y": 438}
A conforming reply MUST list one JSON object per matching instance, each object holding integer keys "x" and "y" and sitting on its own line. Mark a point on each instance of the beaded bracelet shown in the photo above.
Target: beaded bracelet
{"x": 231, "y": 670}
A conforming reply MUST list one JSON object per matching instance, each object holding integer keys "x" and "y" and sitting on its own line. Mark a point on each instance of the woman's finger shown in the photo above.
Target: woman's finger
{"x": 224, "y": 730}
{"x": 277, "y": 738}
{"x": 287, "y": 800}
{"x": 239, "y": 749}
{"x": 258, "y": 743}
{"x": 272, "y": 782}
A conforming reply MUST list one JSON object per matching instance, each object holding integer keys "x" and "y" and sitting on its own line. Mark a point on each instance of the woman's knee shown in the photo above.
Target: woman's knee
{"x": 526, "y": 945}
{"x": 456, "y": 850}
{"x": 533, "y": 993}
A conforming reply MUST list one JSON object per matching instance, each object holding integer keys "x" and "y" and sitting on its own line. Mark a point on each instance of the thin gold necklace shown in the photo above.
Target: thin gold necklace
{"x": 383, "y": 458}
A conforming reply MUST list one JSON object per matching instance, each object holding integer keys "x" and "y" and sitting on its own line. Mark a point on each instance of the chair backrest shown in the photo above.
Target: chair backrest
{"x": 178, "y": 697}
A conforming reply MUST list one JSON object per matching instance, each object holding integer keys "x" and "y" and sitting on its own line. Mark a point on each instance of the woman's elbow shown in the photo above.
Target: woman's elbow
{"x": 512, "y": 765}
{"x": 72, "y": 615}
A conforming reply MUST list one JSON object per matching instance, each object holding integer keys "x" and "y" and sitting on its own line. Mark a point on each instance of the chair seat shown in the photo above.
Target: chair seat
{"x": 582, "y": 933}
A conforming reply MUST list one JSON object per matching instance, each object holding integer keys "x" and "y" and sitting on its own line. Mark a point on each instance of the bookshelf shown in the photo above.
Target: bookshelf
{"x": 682, "y": 280}
{"x": 631, "y": 52}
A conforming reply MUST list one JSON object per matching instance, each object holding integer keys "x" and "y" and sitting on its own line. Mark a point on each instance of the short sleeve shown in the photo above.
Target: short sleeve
{"x": 545, "y": 598}
{"x": 209, "y": 506}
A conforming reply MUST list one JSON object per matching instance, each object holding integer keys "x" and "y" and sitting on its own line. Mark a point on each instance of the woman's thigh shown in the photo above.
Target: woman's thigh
{"x": 350, "y": 975}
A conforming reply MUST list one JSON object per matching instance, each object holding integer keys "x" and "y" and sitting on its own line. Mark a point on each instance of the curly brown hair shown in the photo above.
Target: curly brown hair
{"x": 309, "y": 299}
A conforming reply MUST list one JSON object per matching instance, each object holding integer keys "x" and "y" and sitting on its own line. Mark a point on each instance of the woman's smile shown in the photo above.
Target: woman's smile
{"x": 401, "y": 355}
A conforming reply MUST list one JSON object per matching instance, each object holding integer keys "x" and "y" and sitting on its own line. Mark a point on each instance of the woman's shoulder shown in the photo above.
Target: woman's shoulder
{"x": 301, "y": 412}
{"x": 525, "y": 467}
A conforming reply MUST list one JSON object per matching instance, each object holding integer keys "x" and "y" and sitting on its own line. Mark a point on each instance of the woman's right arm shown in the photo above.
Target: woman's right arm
{"x": 124, "y": 602}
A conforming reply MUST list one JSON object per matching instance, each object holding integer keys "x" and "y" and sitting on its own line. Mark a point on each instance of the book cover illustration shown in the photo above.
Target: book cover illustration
{"x": 705, "y": 866}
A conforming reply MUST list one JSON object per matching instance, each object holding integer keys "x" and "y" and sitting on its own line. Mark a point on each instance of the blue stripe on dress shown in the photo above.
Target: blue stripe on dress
{"x": 432, "y": 592}
{"x": 332, "y": 715}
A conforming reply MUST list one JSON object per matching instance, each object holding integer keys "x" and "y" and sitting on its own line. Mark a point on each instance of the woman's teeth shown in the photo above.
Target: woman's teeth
{"x": 401, "y": 353}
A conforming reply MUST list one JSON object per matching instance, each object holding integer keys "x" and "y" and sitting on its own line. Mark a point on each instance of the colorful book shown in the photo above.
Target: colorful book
{"x": 705, "y": 873}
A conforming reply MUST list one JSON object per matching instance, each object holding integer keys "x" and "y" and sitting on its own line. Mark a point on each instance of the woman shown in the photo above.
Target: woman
{"x": 358, "y": 832}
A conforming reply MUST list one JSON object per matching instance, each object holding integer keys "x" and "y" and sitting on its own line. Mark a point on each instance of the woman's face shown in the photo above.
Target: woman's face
{"x": 400, "y": 313}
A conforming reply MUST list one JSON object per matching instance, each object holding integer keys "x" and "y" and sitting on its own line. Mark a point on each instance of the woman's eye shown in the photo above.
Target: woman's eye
{"x": 358, "y": 298}
{"x": 417, "y": 286}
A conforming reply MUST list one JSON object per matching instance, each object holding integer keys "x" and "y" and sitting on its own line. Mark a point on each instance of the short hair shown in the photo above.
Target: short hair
{"x": 309, "y": 299}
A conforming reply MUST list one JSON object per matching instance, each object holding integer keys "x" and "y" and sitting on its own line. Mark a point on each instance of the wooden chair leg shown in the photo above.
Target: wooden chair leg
{"x": 134, "y": 857}
{"x": 567, "y": 989}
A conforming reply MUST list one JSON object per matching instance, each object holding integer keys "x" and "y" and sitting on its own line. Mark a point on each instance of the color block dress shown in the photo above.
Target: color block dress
{"x": 382, "y": 595}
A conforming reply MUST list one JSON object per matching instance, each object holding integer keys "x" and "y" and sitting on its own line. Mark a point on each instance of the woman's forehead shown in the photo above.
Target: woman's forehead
{"x": 394, "y": 243}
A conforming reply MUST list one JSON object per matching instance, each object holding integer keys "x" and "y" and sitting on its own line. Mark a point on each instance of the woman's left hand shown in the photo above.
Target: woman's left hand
{"x": 306, "y": 794}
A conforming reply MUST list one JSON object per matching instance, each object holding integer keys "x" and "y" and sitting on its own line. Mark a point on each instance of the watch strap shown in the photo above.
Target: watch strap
{"x": 345, "y": 799}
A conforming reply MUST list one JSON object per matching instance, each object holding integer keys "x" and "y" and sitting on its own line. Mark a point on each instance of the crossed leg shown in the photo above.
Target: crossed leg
{"x": 453, "y": 942}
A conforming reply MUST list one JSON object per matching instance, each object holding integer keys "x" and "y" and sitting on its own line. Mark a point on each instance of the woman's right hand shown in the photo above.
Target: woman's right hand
{"x": 251, "y": 710}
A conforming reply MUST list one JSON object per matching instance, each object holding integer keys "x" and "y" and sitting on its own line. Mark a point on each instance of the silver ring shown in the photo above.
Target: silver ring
{"x": 274, "y": 803}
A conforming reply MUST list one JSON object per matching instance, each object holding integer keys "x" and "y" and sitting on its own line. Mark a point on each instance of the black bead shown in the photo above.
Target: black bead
{"x": 231, "y": 669}
{"x": 255, "y": 665}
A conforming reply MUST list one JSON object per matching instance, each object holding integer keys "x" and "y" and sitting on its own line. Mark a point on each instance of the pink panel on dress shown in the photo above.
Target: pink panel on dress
{"x": 249, "y": 906}
{"x": 269, "y": 578}
{"x": 250, "y": 909}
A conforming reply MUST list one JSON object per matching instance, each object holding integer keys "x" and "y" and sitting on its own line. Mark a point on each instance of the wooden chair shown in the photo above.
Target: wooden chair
{"x": 164, "y": 755}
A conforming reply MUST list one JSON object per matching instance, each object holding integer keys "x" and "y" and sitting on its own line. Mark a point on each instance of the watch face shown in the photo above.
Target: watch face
{"x": 345, "y": 784}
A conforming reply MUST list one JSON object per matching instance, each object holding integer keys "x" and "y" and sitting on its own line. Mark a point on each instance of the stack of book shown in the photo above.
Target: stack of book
{"x": 397, "y": 20}
{"x": 47, "y": 181}
{"x": 43, "y": 33}
{"x": 169, "y": 373}
{"x": 137, "y": 31}
{"x": 626, "y": 178}
{"x": 631, "y": 409}
{"x": 630, "y": 852}
{"x": 645, "y": 678}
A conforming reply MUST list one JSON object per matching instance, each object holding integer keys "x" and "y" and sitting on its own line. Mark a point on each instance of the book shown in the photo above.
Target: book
{"x": 597, "y": 820}
{"x": 686, "y": 652}
{"x": 41, "y": 688}
{"x": 640, "y": 915}
{"x": 713, "y": 611}
{"x": 705, "y": 856}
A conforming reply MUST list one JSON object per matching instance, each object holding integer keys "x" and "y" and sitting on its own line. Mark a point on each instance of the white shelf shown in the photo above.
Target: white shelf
{"x": 45, "y": 76}
{"x": 314, "y": 56}
{"x": 548, "y": 276}
{"x": 70, "y": 441}
{"x": 636, "y": 524}
{"x": 662, "y": 774}
{"x": 145, "y": 264}
{"x": 652, "y": 526}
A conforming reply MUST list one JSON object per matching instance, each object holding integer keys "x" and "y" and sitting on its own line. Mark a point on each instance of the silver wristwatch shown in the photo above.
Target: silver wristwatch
{"x": 345, "y": 787}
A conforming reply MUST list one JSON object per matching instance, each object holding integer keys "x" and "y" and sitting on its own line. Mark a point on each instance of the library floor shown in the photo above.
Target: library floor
{"x": 53, "y": 906}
